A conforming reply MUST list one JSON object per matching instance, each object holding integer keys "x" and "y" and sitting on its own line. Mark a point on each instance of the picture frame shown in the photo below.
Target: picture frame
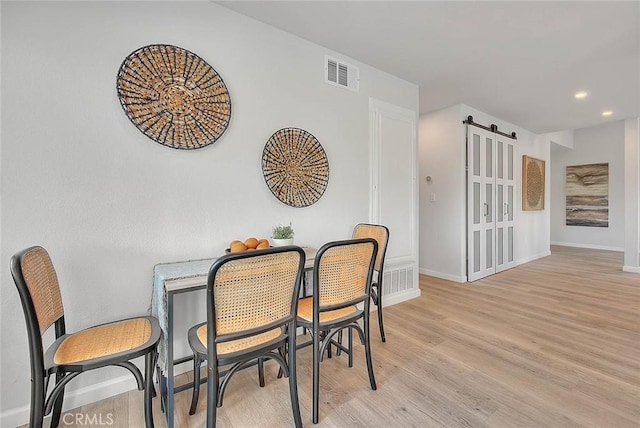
{"x": 533, "y": 183}
{"x": 587, "y": 195}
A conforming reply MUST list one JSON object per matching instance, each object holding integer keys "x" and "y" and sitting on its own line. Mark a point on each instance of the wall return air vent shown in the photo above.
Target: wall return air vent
{"x": 339, "y": 73}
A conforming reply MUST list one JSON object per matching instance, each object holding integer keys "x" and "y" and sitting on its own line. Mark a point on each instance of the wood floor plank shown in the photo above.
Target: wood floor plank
{"x": 551, "y": 343}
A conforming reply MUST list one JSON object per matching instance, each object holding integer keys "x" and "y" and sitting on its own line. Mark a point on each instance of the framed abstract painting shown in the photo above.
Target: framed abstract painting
{"x": 587, "y": 194}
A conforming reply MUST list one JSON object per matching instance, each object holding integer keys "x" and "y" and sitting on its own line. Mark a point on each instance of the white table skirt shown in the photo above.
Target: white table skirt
{"x": 173, "y": 277}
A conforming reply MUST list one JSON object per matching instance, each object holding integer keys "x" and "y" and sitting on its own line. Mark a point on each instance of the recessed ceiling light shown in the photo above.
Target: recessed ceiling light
{"x": 607, "y": 113}
{"x": 581, "y": 94}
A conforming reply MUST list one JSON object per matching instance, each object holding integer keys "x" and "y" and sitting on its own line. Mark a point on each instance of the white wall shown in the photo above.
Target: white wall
{"x": 560, "y": 138}
{"x": 632, "y": 194}
{"x": 109, "y": 203}
{"x": 442, "y": 155}
{"x": 600, "y": 144}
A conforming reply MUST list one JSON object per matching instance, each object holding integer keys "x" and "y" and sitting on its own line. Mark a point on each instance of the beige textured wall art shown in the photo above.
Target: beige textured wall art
{"x": 532, "y": 184}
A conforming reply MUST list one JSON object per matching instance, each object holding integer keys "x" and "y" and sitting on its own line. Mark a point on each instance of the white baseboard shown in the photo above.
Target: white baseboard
{"x": 534, "y": 257}
{"x": 401, "y": 296}
{"x": 441, "y": 275}
{"x": 462, "y": 279}
{"x": 632, "y": 269}
{"x": 593, "y": 247}
{"x": 73, "y": 399}
{"x": 15, "y": 417}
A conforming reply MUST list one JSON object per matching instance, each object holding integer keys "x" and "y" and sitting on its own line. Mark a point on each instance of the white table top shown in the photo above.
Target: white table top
{"x": 193, "y": 273}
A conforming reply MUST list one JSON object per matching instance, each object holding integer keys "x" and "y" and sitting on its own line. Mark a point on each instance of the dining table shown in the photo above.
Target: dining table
{"x": 169, "y": 280}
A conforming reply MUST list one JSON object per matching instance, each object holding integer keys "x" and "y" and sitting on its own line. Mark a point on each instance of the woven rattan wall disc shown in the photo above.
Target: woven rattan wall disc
{"x": 295, "y": 167}
{"x": 173, "y": 96}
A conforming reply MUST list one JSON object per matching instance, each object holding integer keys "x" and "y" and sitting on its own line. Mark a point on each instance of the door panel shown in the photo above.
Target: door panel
{"x": 480, "y": 203}
{"x": 505, "y": 198}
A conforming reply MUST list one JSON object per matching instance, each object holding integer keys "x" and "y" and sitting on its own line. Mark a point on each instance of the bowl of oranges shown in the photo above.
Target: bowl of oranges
{"x": 247, "y": 244}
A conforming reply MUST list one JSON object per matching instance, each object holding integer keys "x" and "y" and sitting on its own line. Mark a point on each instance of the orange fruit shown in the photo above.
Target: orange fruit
{"x": 237, "y": 247}
{"x": 251, "y": 243}
{"x": 262, "y": 244}
{"x": 234, "y": 242}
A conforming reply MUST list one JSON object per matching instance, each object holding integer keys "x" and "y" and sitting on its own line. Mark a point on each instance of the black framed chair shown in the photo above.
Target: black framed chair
{"x": 252, "y": 299}
{"x": 111, "y": 344}
{"x": 381, "y": 234}
{"x": 341, "y": 280}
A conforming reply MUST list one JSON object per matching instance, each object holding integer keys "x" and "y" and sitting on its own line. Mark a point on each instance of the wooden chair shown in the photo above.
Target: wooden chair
{"x": 381, "y": 235}
{"x": 252, "y": 299}
{"x": 341, "y": 280}
{"x": 112, "y": 344}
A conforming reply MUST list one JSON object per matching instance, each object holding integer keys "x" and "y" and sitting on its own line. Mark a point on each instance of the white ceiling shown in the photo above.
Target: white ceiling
{"x": 519, "y": 61}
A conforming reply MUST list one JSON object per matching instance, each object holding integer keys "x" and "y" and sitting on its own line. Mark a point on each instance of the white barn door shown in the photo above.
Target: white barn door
{"x": 481, "y": 193}
{"x": 490, "y": 203}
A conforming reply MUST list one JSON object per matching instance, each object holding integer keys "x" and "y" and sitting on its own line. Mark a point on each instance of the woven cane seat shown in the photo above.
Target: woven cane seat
{"x": 240, "y": 344}
{"x": 305, "y": 311}
{"x": 103, "y": 340}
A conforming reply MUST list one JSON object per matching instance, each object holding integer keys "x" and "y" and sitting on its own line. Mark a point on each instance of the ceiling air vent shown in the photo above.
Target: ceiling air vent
{"x": 340, "y": 73}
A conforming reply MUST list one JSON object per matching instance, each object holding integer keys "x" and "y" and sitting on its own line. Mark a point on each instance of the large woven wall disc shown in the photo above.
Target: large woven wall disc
{"x": 295, "y": 167}
{"x": 173, "y": 96}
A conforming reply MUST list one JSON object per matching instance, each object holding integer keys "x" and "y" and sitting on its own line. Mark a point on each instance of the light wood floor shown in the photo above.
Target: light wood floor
{"x": 552, "y": 343}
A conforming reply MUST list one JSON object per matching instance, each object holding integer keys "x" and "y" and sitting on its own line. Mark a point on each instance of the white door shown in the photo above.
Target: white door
{"x": 505, "y": 186}
{"x": 481, "y": 195}
{"x": 393, "y": 177}
{"x": 393, "y": 197}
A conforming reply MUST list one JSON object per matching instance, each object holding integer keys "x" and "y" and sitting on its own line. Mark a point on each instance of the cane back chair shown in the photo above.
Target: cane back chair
{"x": 341, "y": 280}
{"x": 381, "y": 235}
{"x": 111, "y": 344}
{"x": 252, "y": 298}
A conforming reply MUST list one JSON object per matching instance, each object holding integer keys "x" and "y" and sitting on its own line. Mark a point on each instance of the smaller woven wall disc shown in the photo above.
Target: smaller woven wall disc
{"x": 295, "y": 167}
